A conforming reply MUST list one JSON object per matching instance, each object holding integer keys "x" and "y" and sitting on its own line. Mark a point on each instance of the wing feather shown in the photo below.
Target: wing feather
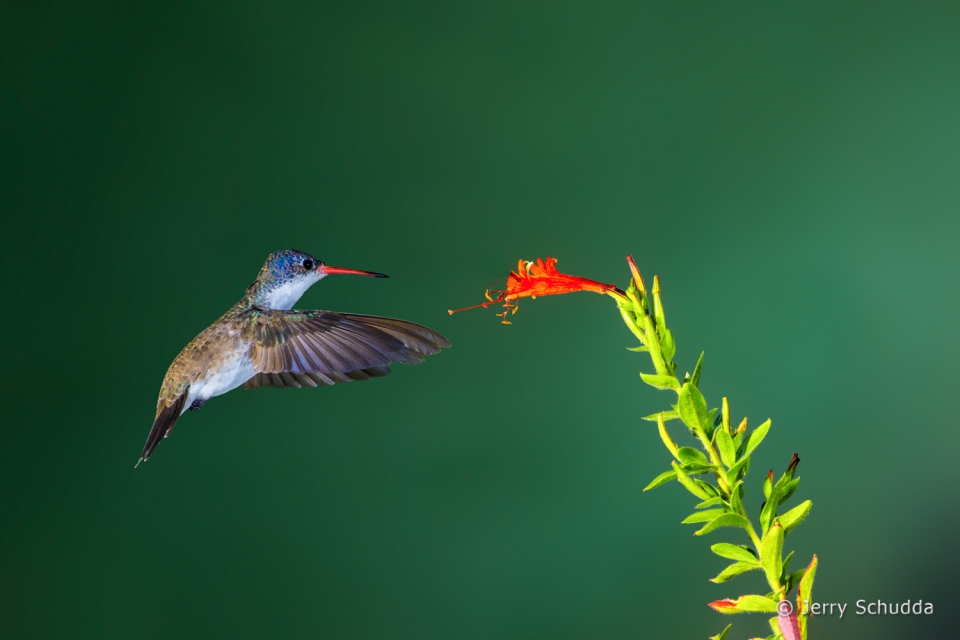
{"x": 311, "y": 348}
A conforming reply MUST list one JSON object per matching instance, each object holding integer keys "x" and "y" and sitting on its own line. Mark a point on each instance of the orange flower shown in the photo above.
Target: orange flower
{"x": 532, "y": 279}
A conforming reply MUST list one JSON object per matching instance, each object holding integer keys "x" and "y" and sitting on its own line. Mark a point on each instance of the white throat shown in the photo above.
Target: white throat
{"x": 286, "y": 295}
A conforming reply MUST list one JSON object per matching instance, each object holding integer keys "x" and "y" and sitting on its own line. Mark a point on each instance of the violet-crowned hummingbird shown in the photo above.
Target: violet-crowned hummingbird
{"x": 262, "y": 342}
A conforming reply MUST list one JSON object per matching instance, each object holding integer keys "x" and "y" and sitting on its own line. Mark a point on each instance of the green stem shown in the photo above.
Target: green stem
{"x": 632, "y": 325}
{"x": 655, "y": 354}
{"x": 714, "y": 459}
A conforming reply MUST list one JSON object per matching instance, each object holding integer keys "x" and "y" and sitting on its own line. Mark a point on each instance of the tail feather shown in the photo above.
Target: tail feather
{"x": 166, "y": 418}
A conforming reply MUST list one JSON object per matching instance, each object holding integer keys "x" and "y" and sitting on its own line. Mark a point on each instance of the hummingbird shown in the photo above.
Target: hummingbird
{"x": 261, "y": 341}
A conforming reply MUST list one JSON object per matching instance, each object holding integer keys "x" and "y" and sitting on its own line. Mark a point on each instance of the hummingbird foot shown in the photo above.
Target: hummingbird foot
{"x": 197, "y": 404}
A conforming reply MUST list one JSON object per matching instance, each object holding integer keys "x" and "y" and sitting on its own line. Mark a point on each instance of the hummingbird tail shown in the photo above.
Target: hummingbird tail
{"x": 166, "y": 418}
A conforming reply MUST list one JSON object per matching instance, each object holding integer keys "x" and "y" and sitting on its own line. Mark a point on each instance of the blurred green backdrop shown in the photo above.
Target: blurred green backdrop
{"x": 791, "y": 173}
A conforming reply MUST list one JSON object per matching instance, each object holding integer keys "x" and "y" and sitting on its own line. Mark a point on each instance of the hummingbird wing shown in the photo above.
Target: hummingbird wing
{"x": 311, "y": 348}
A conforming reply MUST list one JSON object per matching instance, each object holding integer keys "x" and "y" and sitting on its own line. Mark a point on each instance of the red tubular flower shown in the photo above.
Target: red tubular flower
{"x": 532, "y": 279}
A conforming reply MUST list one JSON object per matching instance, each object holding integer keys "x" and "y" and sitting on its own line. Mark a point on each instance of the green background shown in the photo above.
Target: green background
{"x": 793, "y": 174}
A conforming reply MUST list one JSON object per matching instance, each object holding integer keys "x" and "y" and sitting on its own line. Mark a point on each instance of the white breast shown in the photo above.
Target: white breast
{"x": 226, "y": 378}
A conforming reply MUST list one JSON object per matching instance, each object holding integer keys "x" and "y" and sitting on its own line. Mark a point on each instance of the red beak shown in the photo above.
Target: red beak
{"x": 328, "y": 270}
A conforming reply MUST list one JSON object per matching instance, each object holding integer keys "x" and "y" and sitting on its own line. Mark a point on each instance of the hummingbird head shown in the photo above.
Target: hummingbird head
{"x": 287, "y": 274}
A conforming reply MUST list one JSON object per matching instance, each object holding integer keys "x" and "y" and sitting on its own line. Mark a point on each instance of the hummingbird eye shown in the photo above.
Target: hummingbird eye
{"x": 308, "y": 264}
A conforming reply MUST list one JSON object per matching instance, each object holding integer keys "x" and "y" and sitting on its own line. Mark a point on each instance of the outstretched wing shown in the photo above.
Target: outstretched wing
{"x": 311, "y": 348}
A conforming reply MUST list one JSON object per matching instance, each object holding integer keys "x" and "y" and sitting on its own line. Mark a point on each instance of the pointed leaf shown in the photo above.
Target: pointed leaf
{"x": 791, "y": 580}
{"x": 667, "y": 416}
{"x": 663, "y": 478}
{"x": 734, "y": 570}
{"x": 695, "y": 378}
{"x": 804, "y": 592}
{"x": 728, "y": 452}
{"x": 703, "y": 516}
{"x": 736, "y": 498}
{"x": 712, "y": 502}
{"x": 734, "y": 552}
{"x": 769, "y": 510}
{"x": 788, "y": 490}
{"x": 745, "y": 604}
{"x": 688, "y": 482}
{"x": 771, "y": 554}
{"x": 689, "y": 454}
{"x": 722, "y": 635}
{"x": 726, "y": 520}
{"x": 660, "y": 382}
{"x": 734, "y": 473}
{"x": 693, "y": 409}
{"x": 698, "y": 468}
{"x": 638, "y": 349}
{"x": 668, "y": 348}
{"x": 711, "y": 490}
{"x": 756, "y": 437}
{"x": 786, "y": 561}
{"x": 795, "y": 516}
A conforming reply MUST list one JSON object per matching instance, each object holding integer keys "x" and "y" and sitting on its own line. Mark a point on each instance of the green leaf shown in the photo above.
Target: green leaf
{"x": 734, "y": 474}
{"x": 728, "y": 452}
{"x": 734, "y": 552}
{"x": 660, "y": 382}
{"x": 703, "y": 516}
{"x": 726, "y": 520}
{"x": 740, "y": 442}
{"x": 639, "y": 349}
{"x": 668, "y": 348}
{"x": 663, "y": 478}
{"x": 699, "y": 468}
{"x": 771, "y": 554}
{"x": 756, "y": 437}
{"x": 788, "y": 490}
{"x": 736, "y": 497}
{"x": 722, "y": 635}
{"x": 795, "y": 516}
{"x": 695, "y": 378}
{"x": 706, "y": 486}
{"x": 786, "y": 561}
{"x": 712, "y": 502}
{"x": 769, "y": 512}
{"x": 689, "y": 454}
{"x": 745, "y": 604}
{"x": 775, "y": 625}
{"x": 693, "y": 409}
{"x": 803, "y": 595}
{"x": 667, "y": 416}
{"x": 734, "y": 569}
{"x": 791, "y": 580}
{"x": 688, "y": 482}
